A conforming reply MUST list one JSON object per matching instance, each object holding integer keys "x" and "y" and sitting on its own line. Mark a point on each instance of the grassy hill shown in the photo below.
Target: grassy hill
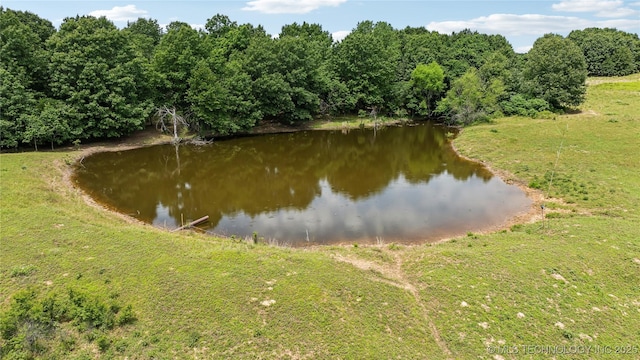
{"x": 68, "y": 270}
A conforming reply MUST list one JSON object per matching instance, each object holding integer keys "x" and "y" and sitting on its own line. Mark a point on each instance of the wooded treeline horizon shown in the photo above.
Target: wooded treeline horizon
{"x": 91, "y": 80}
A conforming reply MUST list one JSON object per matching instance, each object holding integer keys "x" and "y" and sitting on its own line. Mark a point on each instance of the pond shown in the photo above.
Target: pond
{"x": 396, "y": 184}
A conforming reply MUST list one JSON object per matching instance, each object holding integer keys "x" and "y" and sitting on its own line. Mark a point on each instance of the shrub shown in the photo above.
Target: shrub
{"x": 519, "y": 105}
{"x": 126, "y": 316}
{"x": 23, "y": 270}
{"x": 103, "y": 343}
{"x": 536, "y": 183}
{"x": 32, "y": 321}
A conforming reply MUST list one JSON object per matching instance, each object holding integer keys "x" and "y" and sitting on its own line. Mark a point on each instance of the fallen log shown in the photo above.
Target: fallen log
{"x": 193, "y": 223}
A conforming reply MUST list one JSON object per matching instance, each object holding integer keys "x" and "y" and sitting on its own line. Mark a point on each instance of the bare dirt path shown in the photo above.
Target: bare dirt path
{"x": 392, "y": 274}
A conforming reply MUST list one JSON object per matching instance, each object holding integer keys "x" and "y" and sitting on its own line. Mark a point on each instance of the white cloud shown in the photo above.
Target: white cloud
{"x": 289, "y": 6}
{"x": 587, "y": 5}
{"x": 631, "y": 25}
{"x": 197, "y": 26}
{"x": 340, "y": 35}
{"x": 529, "y": 24}
{"x": 601, "y": 8}
{"x": 193, "y": 26}
{"x": 523, "y": 49}
{"x": 509, "y": 24}
{"x": 121, "y": 13}
{"x": 617, "y": 13}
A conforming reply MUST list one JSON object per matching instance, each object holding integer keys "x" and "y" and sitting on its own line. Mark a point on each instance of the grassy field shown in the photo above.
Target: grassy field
{"x": 569, "y": 284}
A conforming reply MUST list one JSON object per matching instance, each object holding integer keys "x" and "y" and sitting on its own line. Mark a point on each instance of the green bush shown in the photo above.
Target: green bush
{"x": 519, "y": 105}
{"x": 126, "y": 316}
{"x": 23, "y": 270}
{"x": 33, "y": 321}
{"x": 546, "y": 114}
{"x": 103, "y": 343}
{"x": 536, "y": 183}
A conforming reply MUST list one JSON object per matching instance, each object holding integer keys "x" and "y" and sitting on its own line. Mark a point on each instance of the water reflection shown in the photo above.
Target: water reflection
{"x": 399, "y": 184}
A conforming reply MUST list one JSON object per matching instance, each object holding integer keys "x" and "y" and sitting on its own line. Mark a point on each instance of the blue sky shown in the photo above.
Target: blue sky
{"x": 521, "y": 22}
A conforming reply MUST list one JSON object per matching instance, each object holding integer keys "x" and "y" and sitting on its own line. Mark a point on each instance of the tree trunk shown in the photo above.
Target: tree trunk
{"x": 175, "y": 129}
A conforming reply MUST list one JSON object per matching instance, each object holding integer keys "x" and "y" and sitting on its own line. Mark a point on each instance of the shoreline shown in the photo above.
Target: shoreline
{"x": 152, "y": 137}
{"x": 536, "y": 196}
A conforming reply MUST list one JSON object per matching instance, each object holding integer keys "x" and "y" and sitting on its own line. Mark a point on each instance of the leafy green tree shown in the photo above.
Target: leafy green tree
{"x": 608, "y": 52}
{"x": 468, "y": 48}
{"x": 48, "y": 123}
{"x": 496, "y": 66}
{"x": 366, "y": 62}
{"x": 219, "y": 25}
{"x": 145, "y": 35}
{"x": 94, "y": 70}
{"x": 470, "y": 100}
{"x": 221, "y": 88}
{"x": 311, "y": 69}
{"x": 178, "y": 52}
{"x": 338, "y": 97}
{"x": 42, "y": 27}
{"x": 23, "y": 71}
{"x": 290, "y": 73}
{"x": 228, "y": 38}
{"x": 221, "y": 98}
{"x": 419, "y": 46}
{"x": 555, "y": 71}
{"x": 16, "y": 102}
{"x": 22, "y": 47}
{"x": 428, "y": 82}
{"x": 301, "y": 52}
{"x": 239, "y": 39}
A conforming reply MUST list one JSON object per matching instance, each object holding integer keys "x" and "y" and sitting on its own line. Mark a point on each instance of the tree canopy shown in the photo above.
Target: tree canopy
{"x": 91, "y": 80}
{"x": 608, "y": 52}
{"x": 555, "y": 71}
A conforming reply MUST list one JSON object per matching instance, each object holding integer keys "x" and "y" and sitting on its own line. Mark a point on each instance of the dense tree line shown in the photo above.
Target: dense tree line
{"x": 608, "y": 52}
{"x": 90, "y": 80}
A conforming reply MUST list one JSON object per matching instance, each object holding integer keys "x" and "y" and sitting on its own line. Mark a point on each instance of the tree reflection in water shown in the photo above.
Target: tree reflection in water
{"x": 398, "y": 183}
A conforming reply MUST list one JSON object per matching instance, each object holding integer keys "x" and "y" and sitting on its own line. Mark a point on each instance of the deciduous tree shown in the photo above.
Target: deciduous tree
{"x": 177, "y": 54}
{"x": 608, "y": 52}
{"x": 220, "y": 94}
{"x": 366, "y": 62}
{"x": 555, "y": 71}
{"x": 470, "y": 99}
{"x": 94, "y": 71}
{"x": 16, "y": 102}
{"x": 428, "y": 82}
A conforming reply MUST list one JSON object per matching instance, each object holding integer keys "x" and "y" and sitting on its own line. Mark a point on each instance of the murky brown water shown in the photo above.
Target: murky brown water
{"x": 402, "y": 184}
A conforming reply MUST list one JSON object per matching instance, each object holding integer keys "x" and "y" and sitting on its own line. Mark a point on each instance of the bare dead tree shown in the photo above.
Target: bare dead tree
{"x": 170, "y": 117}
{"x": 374, "y": 113}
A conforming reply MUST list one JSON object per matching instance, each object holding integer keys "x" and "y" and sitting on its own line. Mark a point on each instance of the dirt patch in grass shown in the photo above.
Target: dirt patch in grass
{"x": 392, "y": 274}
{"x": 590, "y": 112}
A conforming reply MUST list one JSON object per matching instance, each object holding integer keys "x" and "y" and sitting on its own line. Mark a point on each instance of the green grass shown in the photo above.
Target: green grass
{"x": 572, "y": 280}
{"x": 193, "y": 292}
